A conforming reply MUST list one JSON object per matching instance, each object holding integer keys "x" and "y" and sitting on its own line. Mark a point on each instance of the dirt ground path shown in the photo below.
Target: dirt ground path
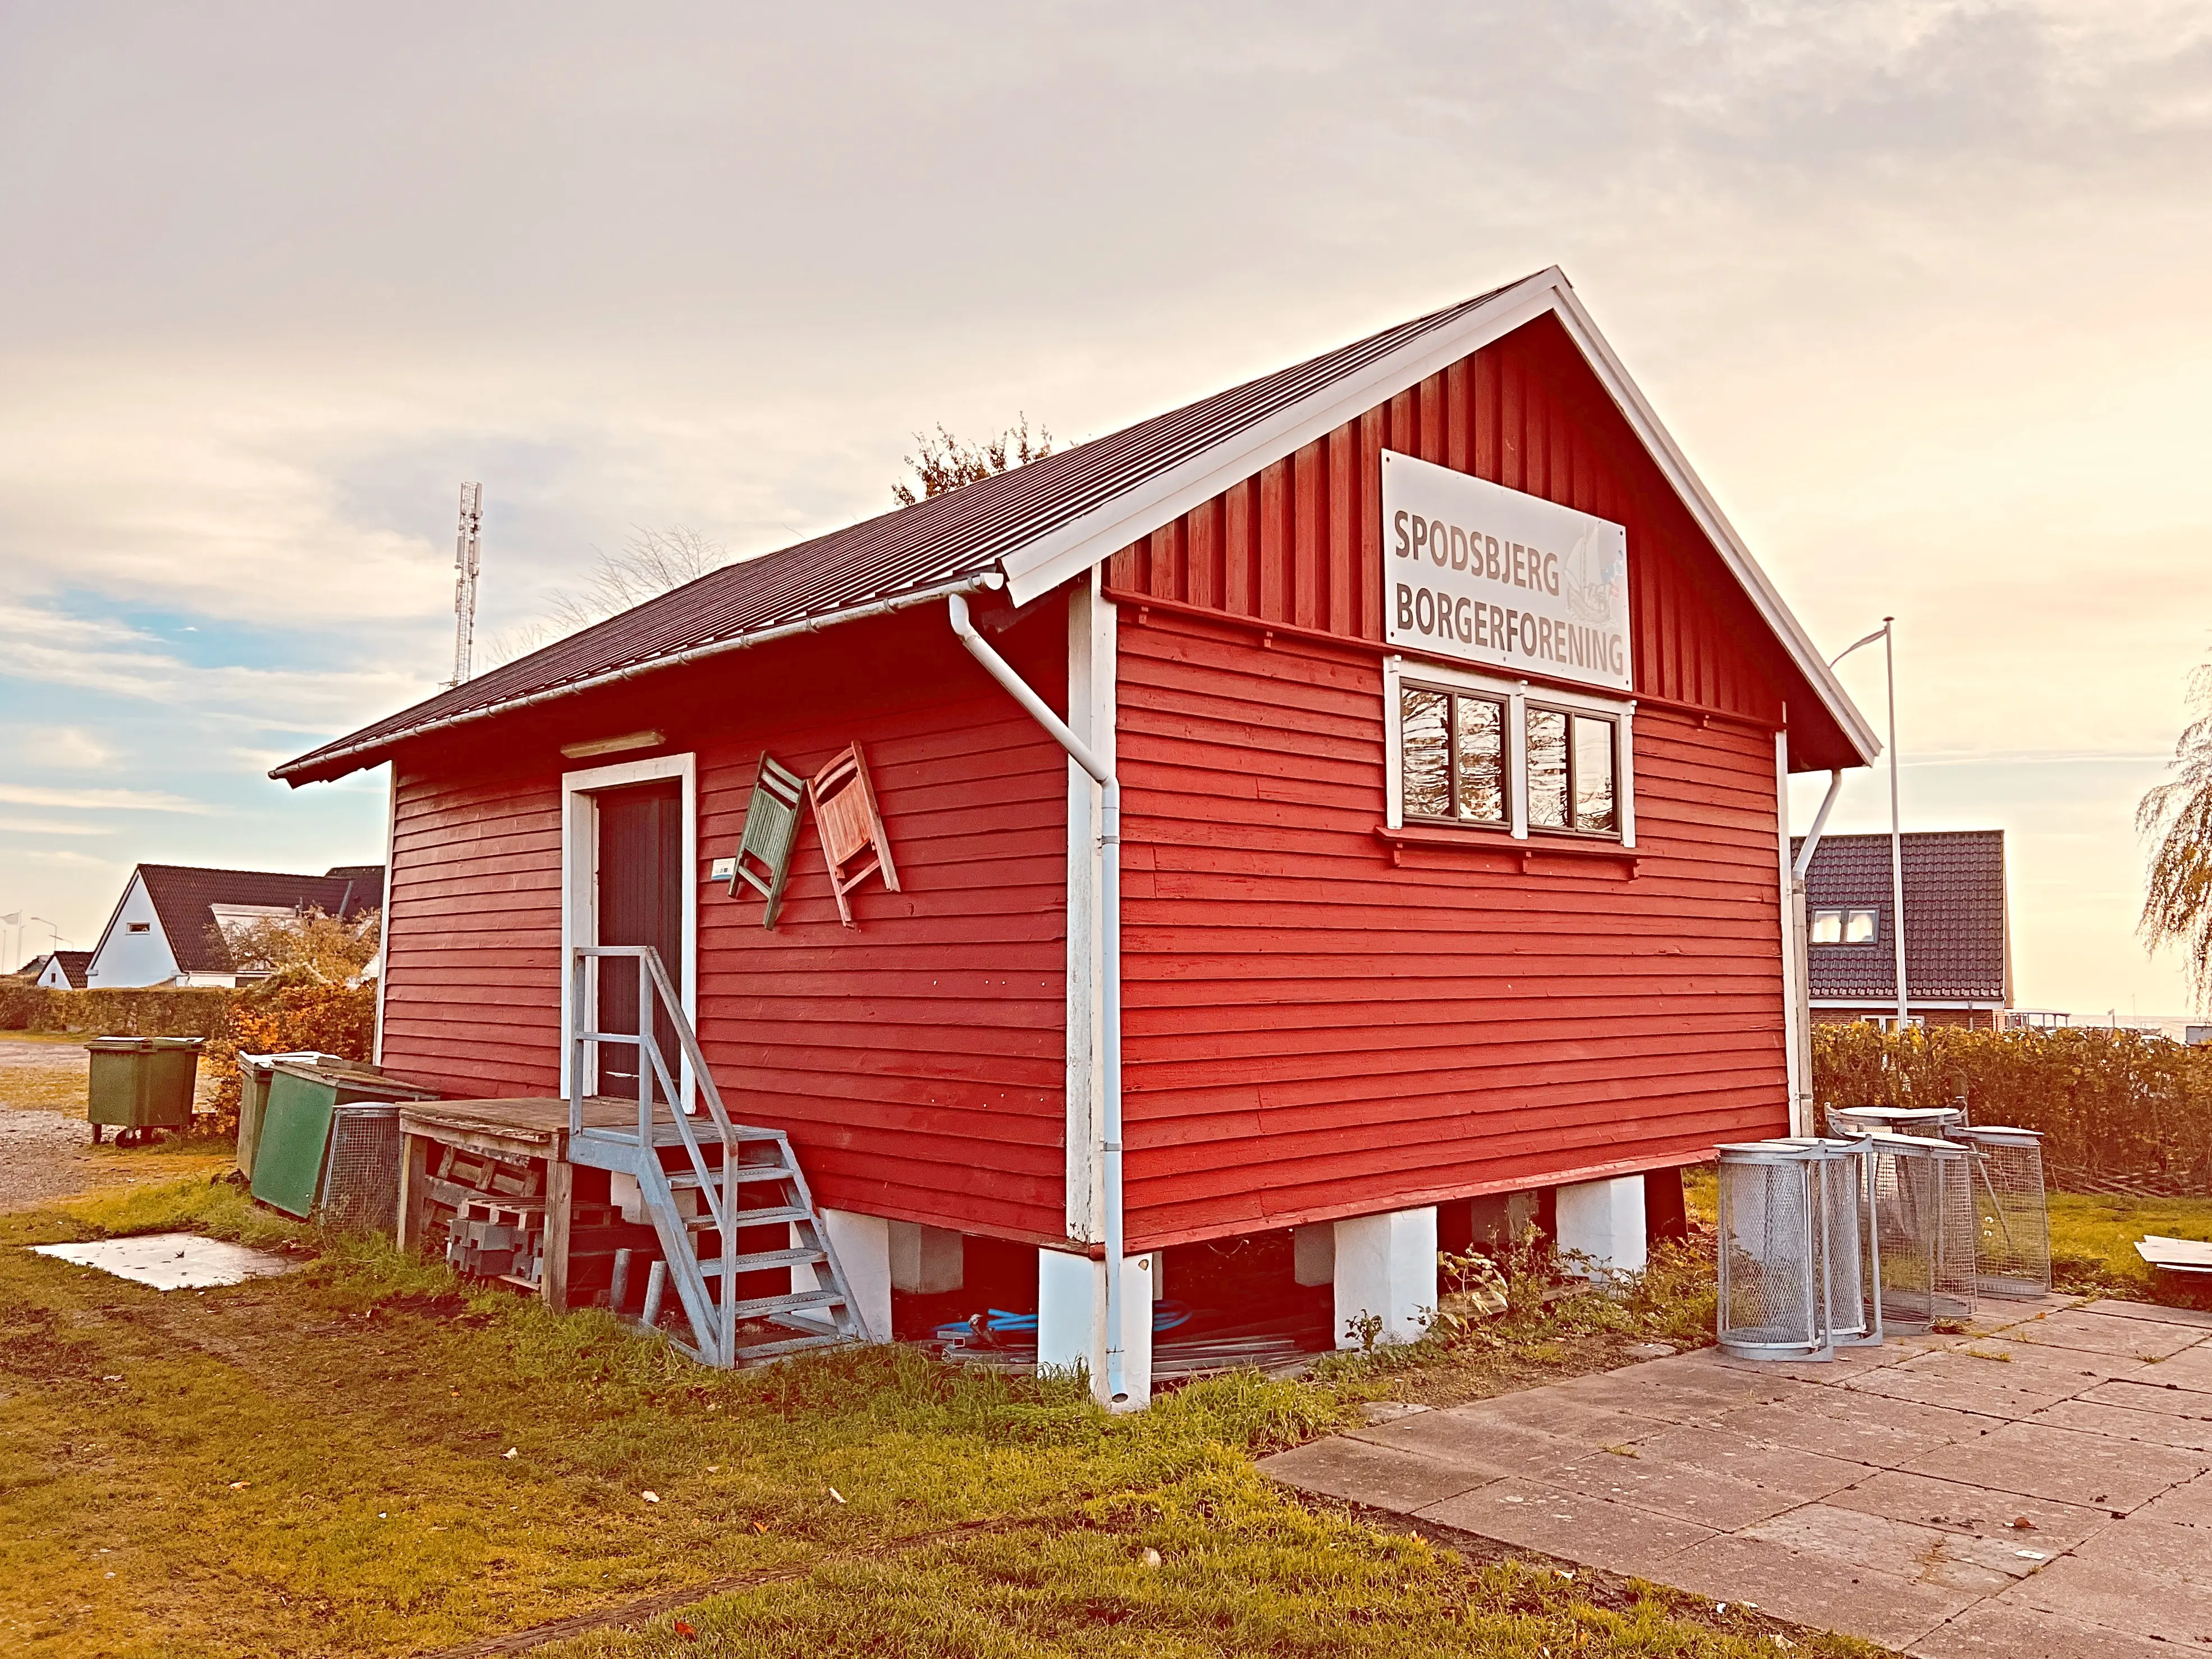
{"x": 45, "y": 1145}
{"x": 46, "y": 1150}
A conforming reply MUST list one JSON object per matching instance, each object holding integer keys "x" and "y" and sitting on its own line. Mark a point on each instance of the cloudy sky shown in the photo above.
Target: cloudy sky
{"x": 1920, "y": 287}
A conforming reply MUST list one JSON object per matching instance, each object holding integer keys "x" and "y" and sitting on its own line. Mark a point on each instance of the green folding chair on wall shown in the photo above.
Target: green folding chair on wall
{"x": 763, "y": 861}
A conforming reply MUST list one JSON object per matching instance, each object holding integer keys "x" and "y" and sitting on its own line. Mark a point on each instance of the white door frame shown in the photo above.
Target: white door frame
{"x": 579, "y": 886}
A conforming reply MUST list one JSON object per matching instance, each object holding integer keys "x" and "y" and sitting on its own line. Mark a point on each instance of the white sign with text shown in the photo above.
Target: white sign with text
{"x": 1481, "y": 573}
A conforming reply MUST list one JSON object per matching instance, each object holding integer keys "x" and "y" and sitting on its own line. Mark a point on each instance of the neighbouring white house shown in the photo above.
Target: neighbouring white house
{"x": 169, "y": 927}
{"x": 65, "y": 970}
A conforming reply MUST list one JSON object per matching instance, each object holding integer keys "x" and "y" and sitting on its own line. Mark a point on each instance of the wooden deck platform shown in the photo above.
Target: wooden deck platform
{"x": 534, "y": 1128}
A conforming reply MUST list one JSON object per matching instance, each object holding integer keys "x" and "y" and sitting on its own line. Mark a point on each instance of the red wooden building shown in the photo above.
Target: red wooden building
{"x": 1450, "y": 724}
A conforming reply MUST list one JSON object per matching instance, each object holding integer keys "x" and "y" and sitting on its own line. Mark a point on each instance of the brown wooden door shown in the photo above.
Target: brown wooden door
{"x": 640, "y": 902}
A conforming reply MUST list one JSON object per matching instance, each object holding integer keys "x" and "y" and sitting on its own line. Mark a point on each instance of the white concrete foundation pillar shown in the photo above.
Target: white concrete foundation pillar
{"x": 927, "y": 1260}
{"x": 1386, "y": 1270}
{"x": 864, "y": 1251}
{"x": 1072, "y": 1322}
{"x": 1603, "y": 1220}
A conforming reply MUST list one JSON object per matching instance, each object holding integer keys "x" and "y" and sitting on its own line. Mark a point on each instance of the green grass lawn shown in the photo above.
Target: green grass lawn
{"x": 366, "y": 1457}
{"x": 2093, "y": 1245}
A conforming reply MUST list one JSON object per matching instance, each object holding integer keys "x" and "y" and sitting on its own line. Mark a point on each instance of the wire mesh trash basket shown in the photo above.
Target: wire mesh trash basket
{"x": 1895, "y": 1120}
{"x": 1924, "y": 1202}
{"x": 1798, "y": 1261}
{"x": 2011, "y": 1215}
{"x": 360, "y": 1181}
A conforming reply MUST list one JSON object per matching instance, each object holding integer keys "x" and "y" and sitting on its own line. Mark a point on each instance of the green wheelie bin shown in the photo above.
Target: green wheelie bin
{"x": 140, "y": 1083}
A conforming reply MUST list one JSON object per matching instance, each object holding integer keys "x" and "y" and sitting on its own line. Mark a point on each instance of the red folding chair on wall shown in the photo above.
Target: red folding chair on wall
{"x": 853, "y": 839}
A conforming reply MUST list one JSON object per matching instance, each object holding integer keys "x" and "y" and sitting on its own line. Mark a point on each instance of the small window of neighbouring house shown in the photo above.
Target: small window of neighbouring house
{"x": 1452, "y": 747}
{"x": 1846, "y": 927}
{"x": 139, "y": 927}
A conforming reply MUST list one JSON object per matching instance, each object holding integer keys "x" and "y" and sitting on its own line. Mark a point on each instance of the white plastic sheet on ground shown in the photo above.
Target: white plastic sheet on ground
{"x": 172, "y": 1262}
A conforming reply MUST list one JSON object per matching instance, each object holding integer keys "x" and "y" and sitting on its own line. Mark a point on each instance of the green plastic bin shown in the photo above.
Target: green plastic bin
{"x": 295, "y": 1128}
{"x": 137, "y": 1083}
{"x": 254, "y": 1071}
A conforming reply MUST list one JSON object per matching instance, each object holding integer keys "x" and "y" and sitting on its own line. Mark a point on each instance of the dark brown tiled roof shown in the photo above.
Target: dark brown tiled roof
{"x": 184, "y": 895}
{"x": 929, "y": 547}
{"x": 1954, "y": 916}
{"x": 73, "y": 963}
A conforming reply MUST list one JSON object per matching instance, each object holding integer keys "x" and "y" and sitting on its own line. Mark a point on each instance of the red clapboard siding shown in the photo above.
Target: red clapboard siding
{"x": 918, "y": 1060}
{"x": 1300, "y": 543}
{"x": 1312, "y": 1032}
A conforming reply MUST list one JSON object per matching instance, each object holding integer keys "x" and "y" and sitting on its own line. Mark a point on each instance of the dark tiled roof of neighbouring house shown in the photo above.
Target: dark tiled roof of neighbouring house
{"x": 73, "y": 964}
{"x": 1954, "y": 916}
{"x": 184, "y": 896}
{"x": 958, "y": 535}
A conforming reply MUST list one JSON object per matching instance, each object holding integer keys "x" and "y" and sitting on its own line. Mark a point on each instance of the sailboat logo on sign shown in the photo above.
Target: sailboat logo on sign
{"x": 1595, "y": 578}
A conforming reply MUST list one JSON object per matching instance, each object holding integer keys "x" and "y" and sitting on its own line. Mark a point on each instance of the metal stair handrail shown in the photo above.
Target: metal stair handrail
{"x": 655, "y": 988}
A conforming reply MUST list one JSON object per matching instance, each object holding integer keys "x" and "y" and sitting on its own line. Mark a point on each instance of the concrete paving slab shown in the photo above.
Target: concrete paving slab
{"x": 1859, "y": 1428}
{"x": 1981, "y": 1521}
{"x": 1801, "y": 1474}
{"x": 2188, "y": 1506}
{"x": 2189, "y": 1370}
{"x": 1377, "y": 1476}
{"x": 2037, "y": 1460}
{"x": 1990, "y": 1630}
{"x": 1674, "y": 1391}
{"x": 2048, "y": 1366}
{"x": 1484, "y": 1445}
{"x": 2169, "y": 1397}
{"x": 2189, "y": 1433}
{"x": 2136, "y": 1578}
{"x": 1711, "y": 1498}
{"x": 1618, "y": 1537}
{"x": 2199, "y": 1317}
{"x": 1814, "y": 1590}
{"x": 2096, "y": 1332}
{"x": 1556, "y": 1411}
{"x": 1921, "y": 1555}
{"x": 1967, "y": 1385}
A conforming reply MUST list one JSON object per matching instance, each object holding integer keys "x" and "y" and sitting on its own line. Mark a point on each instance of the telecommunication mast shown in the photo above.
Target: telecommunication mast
{"x": 466, "y": 552}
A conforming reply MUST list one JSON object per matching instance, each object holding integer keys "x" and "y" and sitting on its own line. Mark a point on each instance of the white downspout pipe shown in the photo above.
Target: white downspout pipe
{"x": 1820, "y": 822}
{"x": 1109, "y": 934}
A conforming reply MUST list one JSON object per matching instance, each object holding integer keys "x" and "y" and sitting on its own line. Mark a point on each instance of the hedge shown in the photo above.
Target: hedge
{"x": 2114, "y": 1107}
{"x": 336, "y": 1019}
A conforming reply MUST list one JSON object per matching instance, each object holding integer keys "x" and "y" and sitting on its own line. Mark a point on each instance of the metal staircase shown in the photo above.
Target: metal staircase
{"x": 719, "y": 1179}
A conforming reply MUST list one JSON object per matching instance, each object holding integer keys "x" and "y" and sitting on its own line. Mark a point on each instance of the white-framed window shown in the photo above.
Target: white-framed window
{"x": 1481, "y": 751}
{"x": 1846, "y": 925}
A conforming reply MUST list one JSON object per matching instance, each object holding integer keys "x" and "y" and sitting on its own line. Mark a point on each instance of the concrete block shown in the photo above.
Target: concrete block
{"x": 1071, "y": 1323}
{"x": 1386, "y": 1268}
{"x": 864, "y": 1251}
{"x": 1603, "y": 1220}
{"x": 926, "y": 1261}
{"x": 1314, "y": 1250}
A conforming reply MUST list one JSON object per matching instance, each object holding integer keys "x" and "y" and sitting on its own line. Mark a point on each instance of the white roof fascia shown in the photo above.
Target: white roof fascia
{"x": 1040, "y": 566}
{"x": 1706, "y": 511}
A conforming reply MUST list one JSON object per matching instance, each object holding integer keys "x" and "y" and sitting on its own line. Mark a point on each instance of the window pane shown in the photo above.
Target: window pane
{"x": 1827, "y": 926}
{"x": 1859, "y": 927}
{"x": 1594, "y": 808}
{"x": 1423, "y": 748}
{"x": 1481, "y": 742}
{"x": 1547, "y": 769}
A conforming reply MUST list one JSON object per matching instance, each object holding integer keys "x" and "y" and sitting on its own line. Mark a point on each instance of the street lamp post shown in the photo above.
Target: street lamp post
{"x": 1886, "y": 635}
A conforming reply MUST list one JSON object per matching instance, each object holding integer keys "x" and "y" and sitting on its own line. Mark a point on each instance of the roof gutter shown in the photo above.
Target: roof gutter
{"x": 298, "y": 772}
{"x": 1109, "y": 948}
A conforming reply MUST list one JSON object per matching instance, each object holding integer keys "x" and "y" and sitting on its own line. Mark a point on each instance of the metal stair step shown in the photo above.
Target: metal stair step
{"x": 753, "y": 1261}
{"x": 745, "y": 1172}
{"x": 753, "y": 1350}
{"x": 698, "y": 1224}
{"x": 760, "y": 1307}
